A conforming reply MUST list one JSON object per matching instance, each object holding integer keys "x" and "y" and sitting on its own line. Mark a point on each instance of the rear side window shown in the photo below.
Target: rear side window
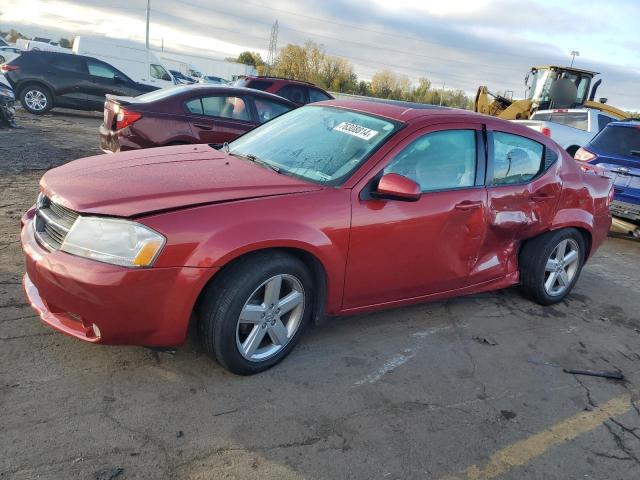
{"x": 516, "y": 159}
{"x": 295, "y": 93}
{"x": 259, "y": 84}
{"x": 618, "y": 140}
{"x": 317, "y": 96}
{"x": 268, "y": 109}
{"x": 577, "y": 120}
{"x": 68, "y": 63}
{"x": 220, "y": 106}
{"x": 195, "y": 106}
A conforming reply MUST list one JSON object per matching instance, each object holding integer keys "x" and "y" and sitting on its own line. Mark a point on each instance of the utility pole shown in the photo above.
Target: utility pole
{"x": 273, "y": 47}
{"x": 574, "y": 54}
{"x": 148, "y": 15}
{"x": 442, "y": 93}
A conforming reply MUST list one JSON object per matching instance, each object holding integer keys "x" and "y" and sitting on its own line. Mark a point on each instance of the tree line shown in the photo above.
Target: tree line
{"x": 309, "y": 62}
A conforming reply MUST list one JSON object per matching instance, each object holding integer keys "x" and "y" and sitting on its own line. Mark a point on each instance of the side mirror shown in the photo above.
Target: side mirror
{"x": 397, "y": 187}
{"x": 603, "y": 100}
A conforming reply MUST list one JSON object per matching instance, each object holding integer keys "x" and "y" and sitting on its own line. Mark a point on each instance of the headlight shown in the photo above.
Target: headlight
{"x": 112, "y": 240}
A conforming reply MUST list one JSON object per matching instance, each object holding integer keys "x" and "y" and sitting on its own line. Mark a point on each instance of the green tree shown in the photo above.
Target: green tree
{"x": 250, "y": 58}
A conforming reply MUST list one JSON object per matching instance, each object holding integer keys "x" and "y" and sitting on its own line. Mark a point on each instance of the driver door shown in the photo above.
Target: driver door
{"x": 401, "y": 250}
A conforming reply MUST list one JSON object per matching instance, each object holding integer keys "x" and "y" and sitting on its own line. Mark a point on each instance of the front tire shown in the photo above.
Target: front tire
{"x": 252, "y": 316}
{"x": 550, "y": 265}
{"x": 36, "y": 99}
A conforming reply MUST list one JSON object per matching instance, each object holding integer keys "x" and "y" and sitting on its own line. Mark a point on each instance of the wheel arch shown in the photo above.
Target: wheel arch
{"x": 310, "y": 260}
{"x": 583, "y": 230}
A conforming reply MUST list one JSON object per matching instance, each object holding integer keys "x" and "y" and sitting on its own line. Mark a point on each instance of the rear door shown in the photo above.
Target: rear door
{"x": 523, "y": 187}
{"x": 219, "y": 118}
{"x": 68, "y": 75}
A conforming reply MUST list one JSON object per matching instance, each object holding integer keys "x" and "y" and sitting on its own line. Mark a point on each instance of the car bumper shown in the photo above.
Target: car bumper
{"x": 102, "y": 303}
{"x": 114, "y": 141}
{"x": 630, "y": 211}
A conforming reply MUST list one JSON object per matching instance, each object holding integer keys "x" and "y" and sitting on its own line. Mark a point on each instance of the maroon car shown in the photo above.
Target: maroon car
{"x": 186, "y": 114}
{"x": 297, "y": 91}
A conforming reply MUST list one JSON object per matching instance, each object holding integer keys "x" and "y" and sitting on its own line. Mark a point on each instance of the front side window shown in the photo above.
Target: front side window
{"x": 516, "y": 159}
{"x": 439, "y": 160}
{"x": 268, "y": 109}
{"x": 98, "y": 69}
{"x": 321, "y": 144}
{"x": 158, "y": 71}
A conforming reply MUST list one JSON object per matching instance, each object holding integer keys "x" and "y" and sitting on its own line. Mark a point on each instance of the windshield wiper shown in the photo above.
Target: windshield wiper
{"x": 255, "y": 159}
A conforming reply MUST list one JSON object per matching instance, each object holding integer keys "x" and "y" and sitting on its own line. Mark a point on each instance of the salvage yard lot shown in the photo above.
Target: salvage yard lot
{"x": 470, "y": 388}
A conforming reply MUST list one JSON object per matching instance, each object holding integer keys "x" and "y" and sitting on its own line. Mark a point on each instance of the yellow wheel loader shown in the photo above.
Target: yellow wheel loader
{"x": 548, "y": 87}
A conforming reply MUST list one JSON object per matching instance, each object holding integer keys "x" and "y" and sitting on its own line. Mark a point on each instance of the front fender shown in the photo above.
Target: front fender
{"x": 213, "y": 235}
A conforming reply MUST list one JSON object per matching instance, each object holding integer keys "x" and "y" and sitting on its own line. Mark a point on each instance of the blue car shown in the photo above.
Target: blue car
{"x": 616, "y": 150}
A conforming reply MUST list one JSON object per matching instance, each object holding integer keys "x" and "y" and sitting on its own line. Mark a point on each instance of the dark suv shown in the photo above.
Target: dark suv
{"x": 43, "y": 80}
{"x": 296, "y": 91}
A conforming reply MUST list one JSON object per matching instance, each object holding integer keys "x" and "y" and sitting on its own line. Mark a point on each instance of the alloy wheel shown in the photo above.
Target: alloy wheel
{"x": 270, "y": 318}
{"x": 35, "y": 100}
{"x": 561, "y": 267}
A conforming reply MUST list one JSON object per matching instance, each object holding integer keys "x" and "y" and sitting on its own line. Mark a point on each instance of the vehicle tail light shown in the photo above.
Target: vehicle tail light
{"x": 5, "y": 67}
{"x": 126, "y": 118}
{"x": 584, "y": 155}
{"x": 546, "y": 131}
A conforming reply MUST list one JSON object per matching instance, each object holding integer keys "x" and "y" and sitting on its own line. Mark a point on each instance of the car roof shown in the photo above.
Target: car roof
{"x": 398, "y": 110}
{"x": 180, "y": 89}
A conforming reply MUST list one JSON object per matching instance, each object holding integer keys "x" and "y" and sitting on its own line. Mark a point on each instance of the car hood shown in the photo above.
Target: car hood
{"x": 129, "y": 184}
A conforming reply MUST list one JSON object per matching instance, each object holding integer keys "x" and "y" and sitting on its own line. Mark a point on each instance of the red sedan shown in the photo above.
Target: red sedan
{"x": 186, "y": 114}
{"x": 334, "y": 208}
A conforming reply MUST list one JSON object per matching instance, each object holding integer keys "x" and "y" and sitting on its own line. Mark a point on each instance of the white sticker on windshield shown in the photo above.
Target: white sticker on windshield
{"x": 356, "y": 130}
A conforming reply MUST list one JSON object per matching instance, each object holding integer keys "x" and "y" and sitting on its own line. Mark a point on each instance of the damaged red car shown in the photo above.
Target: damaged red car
{"x": 335, "y": 208}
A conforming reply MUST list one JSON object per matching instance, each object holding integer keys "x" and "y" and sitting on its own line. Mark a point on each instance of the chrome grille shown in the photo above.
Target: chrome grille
{"x": 52, "y": 222}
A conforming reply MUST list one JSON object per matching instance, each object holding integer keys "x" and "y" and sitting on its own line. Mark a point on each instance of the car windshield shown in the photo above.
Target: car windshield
{"x": 320, "y": 144}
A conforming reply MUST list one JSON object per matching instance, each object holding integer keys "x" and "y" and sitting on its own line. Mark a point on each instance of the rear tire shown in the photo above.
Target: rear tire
{"x": 550, "y": 265}
{"x": 36, "y": 98}
{"x": 2, "y": 59}
{"x": 252, "y": 316}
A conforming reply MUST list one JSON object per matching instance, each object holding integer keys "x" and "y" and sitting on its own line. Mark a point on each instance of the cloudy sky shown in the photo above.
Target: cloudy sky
{"x": 463, "y": 43}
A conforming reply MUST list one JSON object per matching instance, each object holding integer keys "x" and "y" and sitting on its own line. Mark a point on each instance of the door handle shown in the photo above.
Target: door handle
{"x": 202, "y": 126}
{"x": 468, "y": 205}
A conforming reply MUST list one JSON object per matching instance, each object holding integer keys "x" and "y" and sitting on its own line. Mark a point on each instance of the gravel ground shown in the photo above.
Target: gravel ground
{"x": 471, "y": 388}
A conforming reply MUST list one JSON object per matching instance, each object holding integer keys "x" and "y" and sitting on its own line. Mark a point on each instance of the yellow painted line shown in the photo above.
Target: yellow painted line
{"x": 522, "y": 452}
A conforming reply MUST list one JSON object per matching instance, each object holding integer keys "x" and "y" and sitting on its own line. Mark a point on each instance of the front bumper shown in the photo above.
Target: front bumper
{"x": 147, "y": 306}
